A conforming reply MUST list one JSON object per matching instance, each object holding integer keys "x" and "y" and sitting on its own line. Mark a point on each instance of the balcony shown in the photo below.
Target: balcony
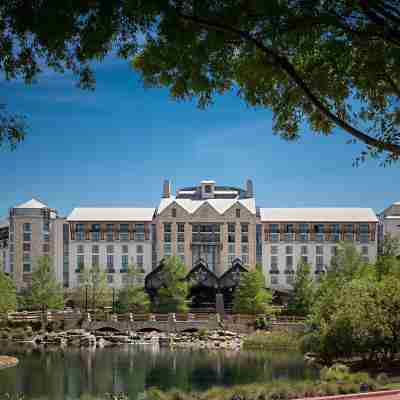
{"x": 303, "y": 237}
{"x": 319, "y": 237}
{"x": 289, "y": 271}
{"x": 274, "y": 237}
{"x": 208, "y": 238}
{"x": 288, "y": 237}
{"x": 335, "y": 237}
{"x": 274, "y": 270}
{"x": 110, "y": 270}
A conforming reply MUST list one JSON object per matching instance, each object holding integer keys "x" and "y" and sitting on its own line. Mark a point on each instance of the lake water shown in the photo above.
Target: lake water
{"x": 69, "y": 373}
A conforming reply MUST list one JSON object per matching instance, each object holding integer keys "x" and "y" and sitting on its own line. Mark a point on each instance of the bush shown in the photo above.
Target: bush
{"x": 382, "y": 379}
{"x": 272, "y": 340}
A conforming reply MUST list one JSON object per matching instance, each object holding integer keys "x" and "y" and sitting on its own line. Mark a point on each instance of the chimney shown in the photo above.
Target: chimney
{"x": 166, "y": 189}
{"x": 249, "y": 188}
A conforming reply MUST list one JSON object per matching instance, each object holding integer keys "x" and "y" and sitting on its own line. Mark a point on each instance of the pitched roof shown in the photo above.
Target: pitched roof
{"x": 111, "y": 214}
{"x": 33, "y": 203}
{"x": 219, "y": 205}
{"x": 318, "y": 215}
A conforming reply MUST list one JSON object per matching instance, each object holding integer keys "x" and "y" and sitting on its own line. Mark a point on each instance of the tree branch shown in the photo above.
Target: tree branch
{"x": 285, "y": 64}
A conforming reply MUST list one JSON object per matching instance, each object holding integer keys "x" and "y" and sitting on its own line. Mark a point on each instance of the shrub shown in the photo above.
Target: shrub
{"x": 382, "y": 379}
{"x": 272, "y": 340}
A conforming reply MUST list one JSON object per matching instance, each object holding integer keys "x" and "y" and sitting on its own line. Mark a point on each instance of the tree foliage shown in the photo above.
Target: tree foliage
{"x": 172, "y": 296}
{"x": 94, "y": 285}
{"x": 8, "y": 294}
{"x": 330, "y": 64}
{"x": 45, "y": 292}
{"x": 133, "y": 297}
{"x": 303, "y": 293}
{"x": 251, "y": 296}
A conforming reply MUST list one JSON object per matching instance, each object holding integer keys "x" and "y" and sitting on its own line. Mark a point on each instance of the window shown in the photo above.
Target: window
{"x": 273, "y": 232}
{"x": 364, "y": 250}
{"x": 304, "y": 259}
{"x": 319, "y": 250}
{"x": 231, "y": 233}
{"x": 26, "y": 257}
{"x": 46, "y": 248}
{"x": 46, "y": 226}
{"x": 26, "y": 246}
{"x": 289, "y": 262}
{"x": 27, "y": 237}
{"x": 27, "y": 267}
{"x": 65, "y": 232}
{"x": 290, "y": 279}
{"x": 139, "y": 232}
{"x": 304, "y": 231}
{"x": 245, "y": 259}
{"x": 110, "y": 232}
{"x": 182, "y": 257}
{"x": 110, "y": 261}
{"x": 274, "y": 249}
{"x": 348, "y": 232}
{"x": 95, "y": 249}
{"x": 208, "y": 188}
{"x": 364, "y": 233}
{"x": 27, "y": 227}
{"x": 173, "y": 213}
{"x": 245, "y": 233}
{"x": 124, "y": 262}
{"x": 274, "y": 265}
{"x": 139, "y": 261}
{"x": 289, "y": 232}
{"x": 167, "y": 249}
{"x": 80, "y": 262}
{"x": 95, "y": 260}
{"x": 181, "y": 247}
{"x": 110, "y": 249}
{"x": 319, "y": 232}
{"x": 139, "y": 249}
{"x": 319, "y": 261}
{"x": 80, "y": 249}
{"x": 125, "y": 248}
{"x": 333, "y": 250}
{"x": 80, "y": 233}
{"x": 304, "y": 250}
{"x": 124, "y": 232}
{"x": 96, "y": 232}
{"x": 245, "y": 248}
{"x": 238, "y": 213}
{"x": 46, "y": 237}
{"x": 180, "y": 228}
{"x": 335, "y": 232}
{"x": 167, "y": 232}
{"x": 231, "y": 248}
{"x": 274, "y": 280}
{"x": 110, "y": 279}
{"x": 289, "y": 250}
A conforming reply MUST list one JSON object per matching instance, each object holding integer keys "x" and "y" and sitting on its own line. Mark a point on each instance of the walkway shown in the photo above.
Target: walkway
{"x": 382, "y": 395}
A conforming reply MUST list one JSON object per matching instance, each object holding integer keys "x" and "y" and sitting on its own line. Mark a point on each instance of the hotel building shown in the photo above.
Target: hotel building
{"x": 209, "y": 222}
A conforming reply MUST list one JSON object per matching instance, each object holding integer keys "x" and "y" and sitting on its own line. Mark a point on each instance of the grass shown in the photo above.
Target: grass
{"x": 276, "y": 340}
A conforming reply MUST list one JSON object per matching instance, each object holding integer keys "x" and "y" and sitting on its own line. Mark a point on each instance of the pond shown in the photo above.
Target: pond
{"x": 69, "y": 373}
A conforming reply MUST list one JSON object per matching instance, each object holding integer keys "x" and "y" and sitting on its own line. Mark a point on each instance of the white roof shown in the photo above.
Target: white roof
{"x": 207, "y": 182}
{"x": 219, "y": 205}
{"x": 33, "y": 203}
{"x": 111, "y": 214}
{"x": 318, "y": 215}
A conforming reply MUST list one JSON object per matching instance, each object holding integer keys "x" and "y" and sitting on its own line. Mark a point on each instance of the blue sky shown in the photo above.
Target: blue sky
{"x": 114, "y": 147}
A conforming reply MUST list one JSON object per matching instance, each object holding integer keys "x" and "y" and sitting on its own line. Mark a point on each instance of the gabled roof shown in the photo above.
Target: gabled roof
{"x": 219, "y": 205}
{"x": 318, "y": 215}
{"x": 111, "y": 214}
{"x": 33, "y": 203}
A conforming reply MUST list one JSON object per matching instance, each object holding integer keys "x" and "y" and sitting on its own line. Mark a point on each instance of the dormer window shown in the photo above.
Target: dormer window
{"x": 238, "y": 213}
{"x": 208, "y": 188}
{"x": 174, "y": 213}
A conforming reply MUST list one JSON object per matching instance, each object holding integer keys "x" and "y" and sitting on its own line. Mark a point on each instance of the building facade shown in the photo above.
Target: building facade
{"x": 206, "y": 222}
{"x": 389, "y": 222}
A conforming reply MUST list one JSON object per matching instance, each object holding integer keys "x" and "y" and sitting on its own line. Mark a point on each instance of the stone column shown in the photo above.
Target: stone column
{"x": 188, "y": 241}
{"x": 238, "y": 239}
{"x": 173, "y": 238}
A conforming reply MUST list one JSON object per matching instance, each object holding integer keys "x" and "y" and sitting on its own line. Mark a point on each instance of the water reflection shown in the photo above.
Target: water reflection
{"x": 67, "y": 374}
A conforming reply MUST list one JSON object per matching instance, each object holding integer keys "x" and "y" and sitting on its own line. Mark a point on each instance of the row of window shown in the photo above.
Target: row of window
{"x": 318, "y": 250}
{"x": 110, "y": 279}
{"x": 173, "y": 210}
{"x": 109, "y": 249}
{"x": 110, "y": 234}
{"x": 110, "y": 263}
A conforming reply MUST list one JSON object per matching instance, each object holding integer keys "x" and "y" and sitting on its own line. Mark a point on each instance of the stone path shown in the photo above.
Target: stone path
{"x": 6, "y": 361}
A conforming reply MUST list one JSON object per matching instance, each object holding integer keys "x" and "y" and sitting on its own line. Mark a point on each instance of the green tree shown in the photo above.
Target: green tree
{"x": 303, "y": 293}
{"x": 8, "y": 291}
{"x": 331, "y": 64}
{"x": 133, "y": 296}
{"x": 93, "y": 284}
{"x": 172, "y": 296}
{"x": 251, "y": 296}
{"x": 45, "y": 291}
